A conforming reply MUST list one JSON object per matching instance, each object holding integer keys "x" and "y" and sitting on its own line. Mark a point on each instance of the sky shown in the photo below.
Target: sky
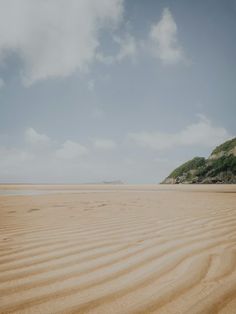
{"x": 103, "y": 90}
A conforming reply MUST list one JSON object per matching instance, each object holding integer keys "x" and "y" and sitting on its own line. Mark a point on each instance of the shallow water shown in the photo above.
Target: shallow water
{"x": 23, "y": 192}
{"x": 11, "y": 192}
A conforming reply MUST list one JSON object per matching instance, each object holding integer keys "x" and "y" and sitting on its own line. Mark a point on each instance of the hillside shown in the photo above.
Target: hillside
{"x": 220, "y": 167}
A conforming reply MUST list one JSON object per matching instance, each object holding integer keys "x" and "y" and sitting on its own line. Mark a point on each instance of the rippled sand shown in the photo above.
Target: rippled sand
{"x": 119, "y": 249}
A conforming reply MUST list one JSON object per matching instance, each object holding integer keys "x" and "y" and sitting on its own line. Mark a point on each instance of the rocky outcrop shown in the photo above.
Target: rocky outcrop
{"x": 220, "y": 167}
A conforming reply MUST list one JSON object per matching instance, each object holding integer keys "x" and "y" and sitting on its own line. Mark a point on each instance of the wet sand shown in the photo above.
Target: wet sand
{"x": 118, "y": 249}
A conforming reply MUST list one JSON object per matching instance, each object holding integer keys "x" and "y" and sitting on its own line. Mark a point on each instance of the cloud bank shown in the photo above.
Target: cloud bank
{"x": 201, "y": 133}
{"x": 71, "y": 150}
{"x": 36, "y": 139}
{"x": 57, "y": 37}
{"x": 104, "y": 144}
{"x": 43, "y": 159}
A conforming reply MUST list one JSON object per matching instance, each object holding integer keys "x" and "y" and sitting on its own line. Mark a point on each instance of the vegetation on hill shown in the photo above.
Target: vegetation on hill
{"x": 225, "y": 147}
{"x": 222, "y": 164}
{"x": 220, "y": 169}
{"x": 187, "y": 166}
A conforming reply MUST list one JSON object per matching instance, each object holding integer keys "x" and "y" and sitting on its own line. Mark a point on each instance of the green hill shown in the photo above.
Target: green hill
{"x": 225, "y": 147}
{"x": 220, "y": 167}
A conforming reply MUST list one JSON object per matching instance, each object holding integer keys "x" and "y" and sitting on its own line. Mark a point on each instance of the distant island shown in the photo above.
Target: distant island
{"x": 115, "y": 182}
{"x": 220, "y": 167}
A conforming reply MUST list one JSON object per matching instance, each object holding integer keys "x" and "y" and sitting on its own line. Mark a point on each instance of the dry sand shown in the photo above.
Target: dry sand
{"x": 119, "y": 249}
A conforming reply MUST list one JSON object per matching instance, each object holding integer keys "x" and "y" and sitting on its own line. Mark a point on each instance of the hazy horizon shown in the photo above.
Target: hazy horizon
{"x": 104, "y": 90}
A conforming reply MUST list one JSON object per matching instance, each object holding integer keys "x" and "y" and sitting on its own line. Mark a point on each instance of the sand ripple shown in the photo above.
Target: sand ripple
{"x": 126, "y": 251}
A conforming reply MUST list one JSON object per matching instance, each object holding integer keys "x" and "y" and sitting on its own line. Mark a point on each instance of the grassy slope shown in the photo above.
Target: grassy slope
{"x": 189, "y": 165}
{"x": 209, "y": 168}
{"x": 226, "y": 146}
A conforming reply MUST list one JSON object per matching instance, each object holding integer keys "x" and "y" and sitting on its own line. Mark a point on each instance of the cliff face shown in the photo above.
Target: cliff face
{"x": 220, "y": 167}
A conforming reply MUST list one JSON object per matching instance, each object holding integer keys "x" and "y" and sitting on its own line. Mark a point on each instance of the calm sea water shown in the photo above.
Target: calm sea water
{"x": 24, "y": 192}
{"x": 41, "y": 192}
{"x": 82, "y": 190}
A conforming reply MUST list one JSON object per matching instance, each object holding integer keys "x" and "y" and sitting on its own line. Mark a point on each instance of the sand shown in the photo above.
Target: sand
{"x": 118, "y": 249}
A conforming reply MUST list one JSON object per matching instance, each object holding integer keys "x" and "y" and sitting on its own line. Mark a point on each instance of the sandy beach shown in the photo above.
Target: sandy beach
{"x": 118, "y": 249}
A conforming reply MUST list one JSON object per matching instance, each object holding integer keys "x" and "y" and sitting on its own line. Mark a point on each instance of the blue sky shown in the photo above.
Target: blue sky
{"x": 113, "y": 90}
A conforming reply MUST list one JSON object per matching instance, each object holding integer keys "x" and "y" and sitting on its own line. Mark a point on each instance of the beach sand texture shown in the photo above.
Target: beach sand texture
{"x": 118, "y": 249}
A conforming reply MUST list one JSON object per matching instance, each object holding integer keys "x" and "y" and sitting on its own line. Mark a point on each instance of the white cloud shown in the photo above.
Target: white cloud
{"x": 127, "y": 49}
{"x": 42, "y": 159}
{"x": 36, "y": 139}
{"x": 12, "y": 155}
{"x": 163, "y": 39}
{"x": 54, "y": 38}
{"x": 71, "y": 150}
{"x": 104, "y": 144}
{"x": 71, "y": 161}
{"x": 200, "y": 133}
{"x": 106, "y": 59}
{"x": 13, "y": 160}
